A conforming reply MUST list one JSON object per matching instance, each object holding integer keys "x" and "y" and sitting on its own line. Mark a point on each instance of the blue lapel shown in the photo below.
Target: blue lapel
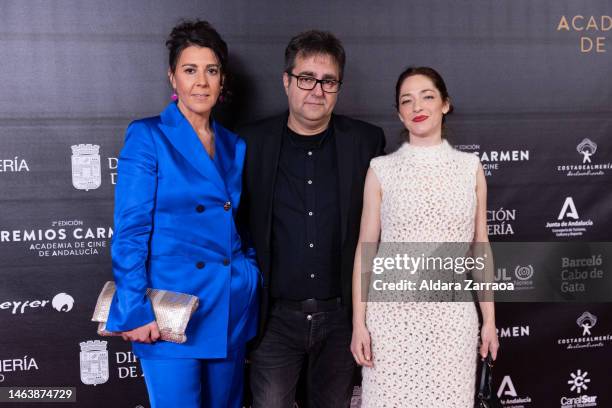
{"x": 230, "y": 151}
{"x": 184, "y": 139}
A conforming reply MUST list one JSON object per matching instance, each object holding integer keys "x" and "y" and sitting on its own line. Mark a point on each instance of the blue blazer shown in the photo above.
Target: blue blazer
{"x": 175, "y": 230}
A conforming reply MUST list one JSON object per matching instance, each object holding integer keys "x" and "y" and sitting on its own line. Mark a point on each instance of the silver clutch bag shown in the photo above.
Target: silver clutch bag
{"x": 172, "y": 312}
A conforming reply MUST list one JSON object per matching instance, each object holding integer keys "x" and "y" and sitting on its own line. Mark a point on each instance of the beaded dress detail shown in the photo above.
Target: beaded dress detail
{"x": 424, "y": 353}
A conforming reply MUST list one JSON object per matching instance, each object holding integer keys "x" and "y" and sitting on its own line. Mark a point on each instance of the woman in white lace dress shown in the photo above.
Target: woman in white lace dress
{"x": 421, "y": 354}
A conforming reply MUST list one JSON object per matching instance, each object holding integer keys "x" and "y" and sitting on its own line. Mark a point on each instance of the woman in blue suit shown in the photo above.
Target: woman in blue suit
{"x": 176, "y": 197}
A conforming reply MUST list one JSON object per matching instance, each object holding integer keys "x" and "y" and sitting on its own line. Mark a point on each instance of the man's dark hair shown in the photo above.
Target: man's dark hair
{"x": 313, "y": 42}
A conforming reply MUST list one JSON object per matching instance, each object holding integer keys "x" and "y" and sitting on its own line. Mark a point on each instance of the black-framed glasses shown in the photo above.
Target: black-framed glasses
{"x": 308, "y": 83}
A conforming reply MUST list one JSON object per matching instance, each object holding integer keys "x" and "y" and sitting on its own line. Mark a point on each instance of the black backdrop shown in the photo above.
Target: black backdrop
{"x": 529, "y": 80}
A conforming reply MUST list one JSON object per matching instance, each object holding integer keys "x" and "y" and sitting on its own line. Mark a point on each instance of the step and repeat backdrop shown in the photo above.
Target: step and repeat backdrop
{"x": 531, "y": 85}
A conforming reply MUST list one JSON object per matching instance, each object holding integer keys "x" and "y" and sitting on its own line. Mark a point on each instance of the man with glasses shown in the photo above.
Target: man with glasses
{"x": 302, "y": 196}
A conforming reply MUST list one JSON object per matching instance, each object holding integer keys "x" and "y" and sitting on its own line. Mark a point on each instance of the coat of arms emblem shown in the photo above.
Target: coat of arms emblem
{"x": 86, "y": 169}
{"x": 94, "y": 362}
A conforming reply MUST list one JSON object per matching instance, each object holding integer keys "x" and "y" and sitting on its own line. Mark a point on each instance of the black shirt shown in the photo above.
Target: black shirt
{"x": 306, "y": 219}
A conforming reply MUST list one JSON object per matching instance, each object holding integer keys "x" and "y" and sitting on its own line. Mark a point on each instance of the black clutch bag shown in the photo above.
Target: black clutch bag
{"x": 485, "y": 397}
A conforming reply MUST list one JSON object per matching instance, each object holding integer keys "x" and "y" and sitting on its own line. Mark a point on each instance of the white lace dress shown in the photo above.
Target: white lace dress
{"x": 425, "y": 353}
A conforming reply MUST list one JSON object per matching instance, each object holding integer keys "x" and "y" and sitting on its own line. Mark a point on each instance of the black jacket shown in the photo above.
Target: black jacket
{"x": 357, "y": 142}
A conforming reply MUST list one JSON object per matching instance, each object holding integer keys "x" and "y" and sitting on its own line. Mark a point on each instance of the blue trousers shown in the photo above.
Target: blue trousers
{"x": 195, "y": 383}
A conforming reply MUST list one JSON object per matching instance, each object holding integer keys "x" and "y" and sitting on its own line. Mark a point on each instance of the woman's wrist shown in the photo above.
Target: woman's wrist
{"x": 487, "y": 323}
{"x": 358, "y": 323}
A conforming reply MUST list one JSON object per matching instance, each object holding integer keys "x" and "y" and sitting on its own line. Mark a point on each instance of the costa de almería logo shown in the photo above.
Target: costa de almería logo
{"x": 587, "y": 321}
{"x": 94, "y": 362}
{"x": 589, "y": 336}
{"x": 587, "y": 148}
{"x": 588, "y": 166}
{"x": 86, "y": 168}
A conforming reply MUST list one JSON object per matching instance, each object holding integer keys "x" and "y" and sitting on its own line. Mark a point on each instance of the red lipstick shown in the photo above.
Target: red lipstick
{"x": 419, "y": 118}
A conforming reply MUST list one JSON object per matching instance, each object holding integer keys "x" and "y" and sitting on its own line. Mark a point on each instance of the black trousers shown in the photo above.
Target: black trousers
{"x": 322, "y": 339}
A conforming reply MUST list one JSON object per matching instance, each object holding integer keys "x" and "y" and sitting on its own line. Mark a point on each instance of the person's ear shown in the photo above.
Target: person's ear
{"x": 286, "y": 82}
